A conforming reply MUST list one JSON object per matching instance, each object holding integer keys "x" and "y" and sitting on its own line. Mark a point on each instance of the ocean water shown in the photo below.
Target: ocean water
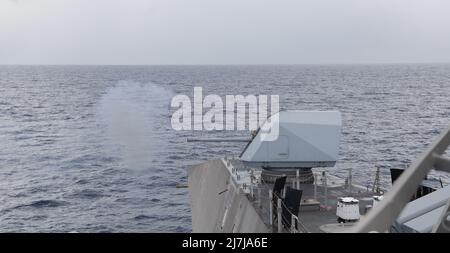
{"x": 91, "y": 149}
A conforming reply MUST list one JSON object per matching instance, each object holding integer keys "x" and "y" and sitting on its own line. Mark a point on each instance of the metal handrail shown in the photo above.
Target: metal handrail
{"x": 299, "y": 222}
{"x": 293, "y": 217}
{"x": 264, "y": 184}
{"x": 384, "y": 215}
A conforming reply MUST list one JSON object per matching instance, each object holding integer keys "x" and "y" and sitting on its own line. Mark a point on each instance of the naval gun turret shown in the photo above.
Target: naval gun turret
{"x": 290, "y": 143}
{"x": 305, "y": 139}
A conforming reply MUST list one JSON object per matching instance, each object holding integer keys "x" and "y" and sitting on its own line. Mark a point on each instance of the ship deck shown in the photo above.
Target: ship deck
{"x": 317, "y": 210}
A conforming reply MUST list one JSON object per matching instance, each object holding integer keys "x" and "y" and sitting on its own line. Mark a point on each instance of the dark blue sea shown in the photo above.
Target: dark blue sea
{"x": 91, "y": 148}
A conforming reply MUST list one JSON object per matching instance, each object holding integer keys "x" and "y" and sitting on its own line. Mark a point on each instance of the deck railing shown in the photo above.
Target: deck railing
{"x": 381, "y": 217}
{"x": 295, "y": 225}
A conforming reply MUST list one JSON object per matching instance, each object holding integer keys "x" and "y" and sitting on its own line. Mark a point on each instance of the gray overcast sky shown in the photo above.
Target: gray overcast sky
{"x": 223, "y": 31}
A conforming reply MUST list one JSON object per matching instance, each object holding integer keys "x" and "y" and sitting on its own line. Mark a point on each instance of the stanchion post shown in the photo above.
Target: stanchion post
{"x": 271, "y": 206}
{"x": 279, "y": 214}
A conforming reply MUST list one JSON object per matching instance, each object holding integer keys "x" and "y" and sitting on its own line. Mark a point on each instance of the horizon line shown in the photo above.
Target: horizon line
{"x": 222, "y": 64}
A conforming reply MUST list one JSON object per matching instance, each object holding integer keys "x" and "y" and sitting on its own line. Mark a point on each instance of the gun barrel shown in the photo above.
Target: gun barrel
{"x": 218, "y": 139}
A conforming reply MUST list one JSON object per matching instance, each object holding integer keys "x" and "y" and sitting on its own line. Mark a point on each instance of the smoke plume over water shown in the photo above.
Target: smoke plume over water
{"x": 133, "y": 115}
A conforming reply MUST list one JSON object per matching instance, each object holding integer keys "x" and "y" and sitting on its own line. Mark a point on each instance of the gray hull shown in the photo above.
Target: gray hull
{"x": 218, "y": 205}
